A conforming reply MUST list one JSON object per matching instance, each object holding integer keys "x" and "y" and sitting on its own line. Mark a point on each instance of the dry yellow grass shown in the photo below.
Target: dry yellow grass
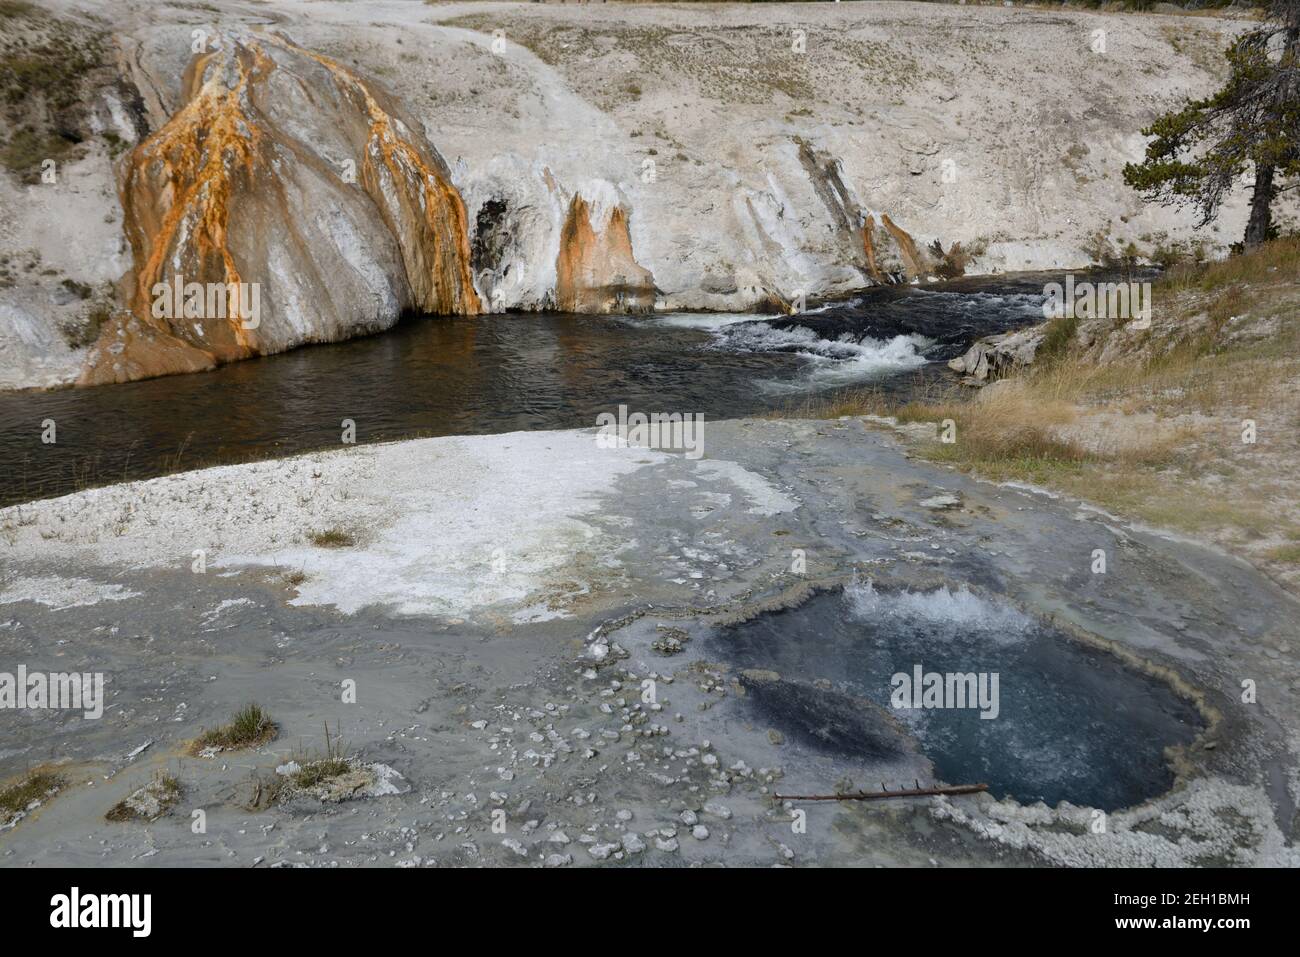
{"x": 1278, "y": 259}
{"x": 1157, "y": 435}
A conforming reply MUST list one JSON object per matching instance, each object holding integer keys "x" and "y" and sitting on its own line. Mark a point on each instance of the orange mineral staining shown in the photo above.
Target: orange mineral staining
{"x": 429, "y": 214}
{"x": 207, "y": 208}
{"x": 596, "y": 270}
{"x": 906, "y": 246}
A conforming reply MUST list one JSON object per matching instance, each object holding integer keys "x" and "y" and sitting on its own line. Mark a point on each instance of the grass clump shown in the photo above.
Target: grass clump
{"x": 333, "y": 538}
{"x": 1287, "y": 554}
{"x": 147, "y": 803}
{"x": 319, "y": 771}
{"x": 1056, "y": 341}
{"x": 337, "y": 775}
{"x": 309, "y": 773}
{"x": 33, "y": 786}
{"x": 249, "y": 727}
{"x": 335, "y": 762}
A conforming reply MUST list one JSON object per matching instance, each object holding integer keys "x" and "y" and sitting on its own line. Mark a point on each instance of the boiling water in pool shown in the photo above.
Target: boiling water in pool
{"x": 1072, "y": 723}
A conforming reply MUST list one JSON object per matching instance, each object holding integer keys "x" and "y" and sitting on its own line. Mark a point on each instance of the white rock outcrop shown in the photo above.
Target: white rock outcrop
{"x": 608, "y": 158}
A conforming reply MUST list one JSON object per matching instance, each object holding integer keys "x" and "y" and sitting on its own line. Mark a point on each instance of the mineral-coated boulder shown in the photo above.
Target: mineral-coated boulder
{"x": 994, "y": 356}
{"x": 288, "y": 200}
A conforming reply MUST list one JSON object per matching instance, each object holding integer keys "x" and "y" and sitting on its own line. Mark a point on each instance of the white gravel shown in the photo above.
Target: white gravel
{"x": 443, "y": 525}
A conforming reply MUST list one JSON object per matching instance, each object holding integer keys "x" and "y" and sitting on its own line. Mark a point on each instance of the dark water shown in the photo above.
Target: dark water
{"x": 1072, "y": 723}
{"x": 457, "y": 376}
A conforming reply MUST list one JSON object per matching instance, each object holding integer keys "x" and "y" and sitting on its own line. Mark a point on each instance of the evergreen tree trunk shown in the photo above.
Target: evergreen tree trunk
{"x": 1261, "y": 208}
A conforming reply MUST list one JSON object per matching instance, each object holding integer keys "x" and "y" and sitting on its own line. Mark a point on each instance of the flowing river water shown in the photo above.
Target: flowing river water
{"x": 501, "y": 373}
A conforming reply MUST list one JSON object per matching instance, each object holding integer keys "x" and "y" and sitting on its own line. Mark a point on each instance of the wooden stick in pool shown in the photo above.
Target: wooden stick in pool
{"x": 873, "y": 795}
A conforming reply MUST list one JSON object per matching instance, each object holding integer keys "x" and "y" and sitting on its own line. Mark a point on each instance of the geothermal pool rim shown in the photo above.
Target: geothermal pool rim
{"x": 1179, "y": 758}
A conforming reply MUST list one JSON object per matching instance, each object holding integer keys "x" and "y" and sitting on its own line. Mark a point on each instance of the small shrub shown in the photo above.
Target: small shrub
{"x": 79, "y": 335}
{"x": 953, "y": 263}
{"x": 79, "y": 289}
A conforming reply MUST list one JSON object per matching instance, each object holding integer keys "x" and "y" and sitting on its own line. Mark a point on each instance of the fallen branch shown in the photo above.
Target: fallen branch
{"x": 873, "y": 795}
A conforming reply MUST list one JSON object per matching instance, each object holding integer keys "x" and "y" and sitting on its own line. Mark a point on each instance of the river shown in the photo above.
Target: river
{"x": 500, "y": 373}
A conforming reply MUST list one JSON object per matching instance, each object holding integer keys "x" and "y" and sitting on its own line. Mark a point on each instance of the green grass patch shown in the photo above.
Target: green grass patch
{"x": 1288, "y": 554}
{"x": 34, "y": 786}
{"x": 249, "y": 727}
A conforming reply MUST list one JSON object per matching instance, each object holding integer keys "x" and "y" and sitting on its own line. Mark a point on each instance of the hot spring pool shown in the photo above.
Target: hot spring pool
{"x": 1003, "y": 698}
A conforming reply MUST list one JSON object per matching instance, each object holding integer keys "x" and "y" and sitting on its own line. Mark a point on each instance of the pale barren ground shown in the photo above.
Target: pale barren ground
{"x": 507, "y": 678}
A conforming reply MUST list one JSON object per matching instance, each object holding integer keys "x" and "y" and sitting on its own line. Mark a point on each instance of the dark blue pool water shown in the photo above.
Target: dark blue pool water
{"x": 1071, "y": 723}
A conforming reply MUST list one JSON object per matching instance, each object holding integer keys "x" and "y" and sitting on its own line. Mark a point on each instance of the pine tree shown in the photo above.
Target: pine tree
{"x": 1253, "y": 123}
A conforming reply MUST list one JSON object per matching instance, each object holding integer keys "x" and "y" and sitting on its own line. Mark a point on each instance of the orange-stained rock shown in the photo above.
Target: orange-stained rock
{"x": 596, "y": 270}
{"x": 891, "y": 254}
{"x": 869, "y": 248}
{"x": 906, "y": 247}
{"x": 129, "y": 349}
{"x": 288, "y": 182}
